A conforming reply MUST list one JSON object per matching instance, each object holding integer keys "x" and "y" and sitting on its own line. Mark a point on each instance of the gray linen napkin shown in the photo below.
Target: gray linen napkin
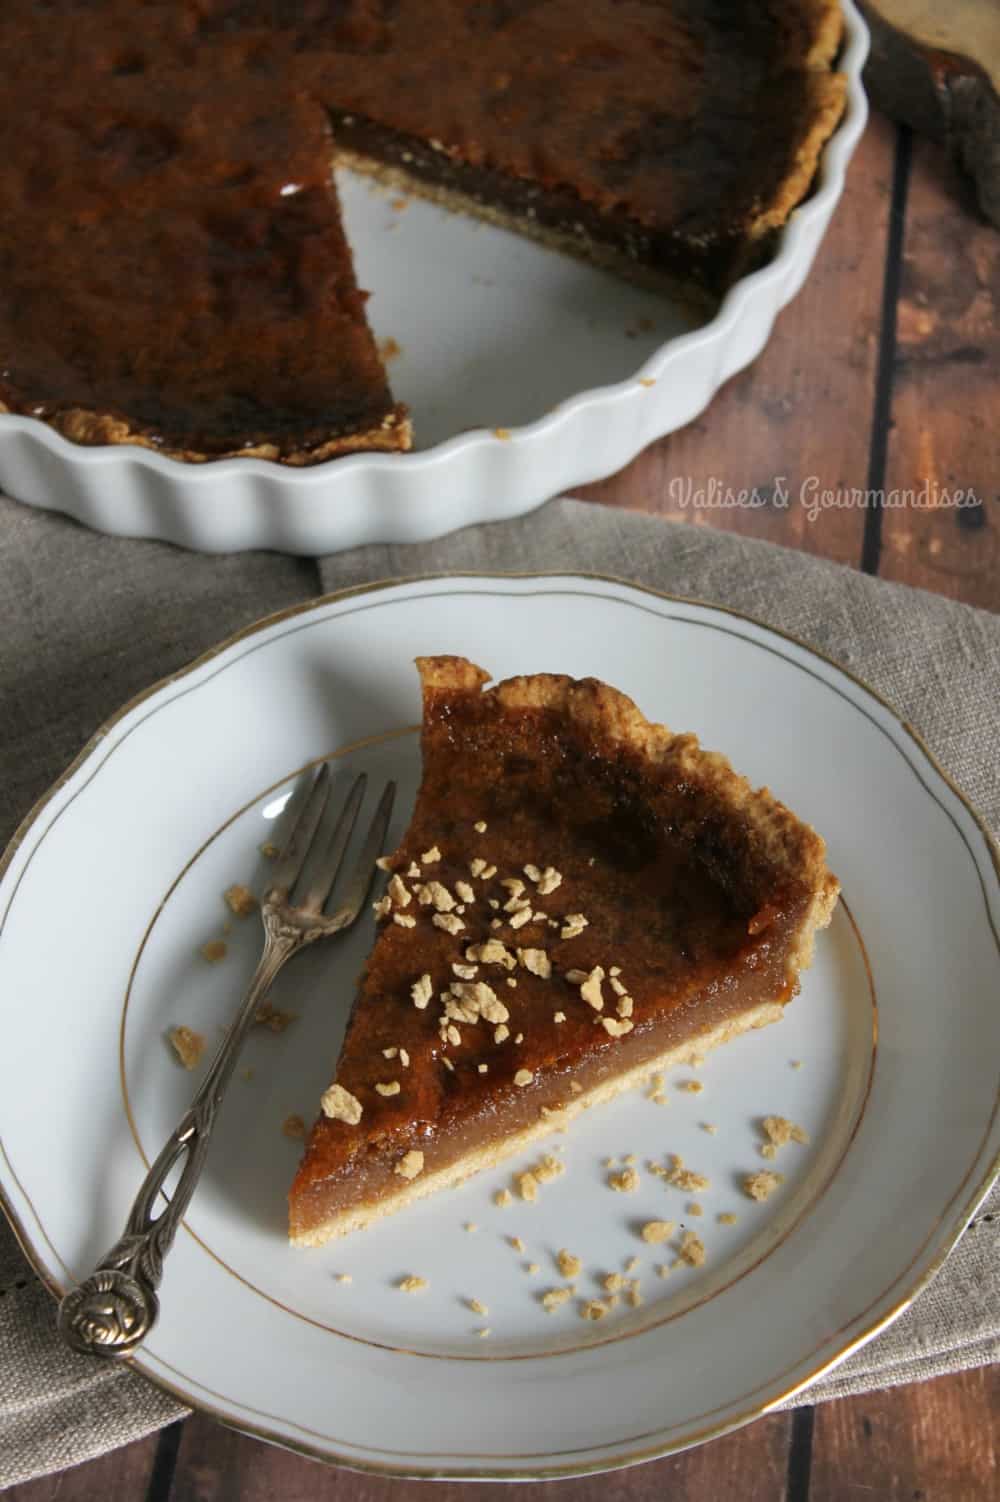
{"x": 87, "y": 621}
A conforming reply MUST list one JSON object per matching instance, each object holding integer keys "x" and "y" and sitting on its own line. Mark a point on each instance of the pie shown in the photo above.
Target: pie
{"x": 582, "y": 898}
{"x": 174, "y": 268}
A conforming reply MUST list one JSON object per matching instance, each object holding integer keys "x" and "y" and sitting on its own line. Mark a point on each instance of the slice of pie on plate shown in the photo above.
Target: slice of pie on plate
{"x": 582, "y": 898}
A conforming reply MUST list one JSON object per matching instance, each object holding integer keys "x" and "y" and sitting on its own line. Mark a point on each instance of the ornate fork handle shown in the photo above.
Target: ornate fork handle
{"x": 111, "y": 1312}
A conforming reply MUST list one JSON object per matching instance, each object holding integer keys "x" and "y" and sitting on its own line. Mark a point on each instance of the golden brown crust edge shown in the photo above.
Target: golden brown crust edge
{"x": 93, "y": 429}
{"x": 791, "y": 847}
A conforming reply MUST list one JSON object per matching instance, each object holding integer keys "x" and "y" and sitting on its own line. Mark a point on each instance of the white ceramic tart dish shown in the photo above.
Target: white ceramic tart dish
{"x": 887, "y": 1060}
{"x": 527, "y": 373}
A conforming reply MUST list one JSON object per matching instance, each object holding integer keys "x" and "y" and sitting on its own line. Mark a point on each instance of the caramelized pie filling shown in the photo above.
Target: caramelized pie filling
{"x": 173, "y": 266}
{"x": 684, "y": 918}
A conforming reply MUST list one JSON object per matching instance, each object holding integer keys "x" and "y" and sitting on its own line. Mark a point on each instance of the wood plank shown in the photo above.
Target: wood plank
{"x": 946, "y": 399}
{"x": 217, "y": 1465}
{"x": 804, "y": 408}
{"x": 929, "y": 1441}
{"x": 122, "y": 1475}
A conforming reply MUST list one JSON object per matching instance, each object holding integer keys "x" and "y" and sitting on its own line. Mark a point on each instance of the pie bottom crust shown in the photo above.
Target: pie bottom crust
{"x": 690, "y": 1050}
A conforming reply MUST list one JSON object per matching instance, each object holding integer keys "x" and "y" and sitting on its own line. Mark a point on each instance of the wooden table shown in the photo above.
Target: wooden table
{"x": 885, "y": 373}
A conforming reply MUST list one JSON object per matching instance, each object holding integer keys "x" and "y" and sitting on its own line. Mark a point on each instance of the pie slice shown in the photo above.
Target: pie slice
{"x": 581, "y": 898}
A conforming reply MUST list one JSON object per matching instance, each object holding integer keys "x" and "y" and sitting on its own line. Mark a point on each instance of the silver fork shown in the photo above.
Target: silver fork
{"x": 111, "y": 1312}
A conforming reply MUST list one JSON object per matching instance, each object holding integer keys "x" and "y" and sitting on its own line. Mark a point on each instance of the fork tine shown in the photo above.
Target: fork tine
{"x": 292, "y": 857}
{"x": 364, "y": 871}
{"x": 328, "y": 866}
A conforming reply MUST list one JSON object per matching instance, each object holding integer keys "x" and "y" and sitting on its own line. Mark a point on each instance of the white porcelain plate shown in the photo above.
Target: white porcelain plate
{"x": 888, "y": 1058}
{"x": 527, "y": 372}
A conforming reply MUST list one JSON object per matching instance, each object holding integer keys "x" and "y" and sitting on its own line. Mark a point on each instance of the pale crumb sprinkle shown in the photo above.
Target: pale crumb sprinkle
{"x": 406, "y": 921}
{"x": 465, "y": 892}
{"x": 779, "y": 1130}
{"x": 692, "y": 1249}
{"x": 390, "y": 1087}
{"x": 554, "y": 1298}
{"x": 569, "y": 1265}
{"x": 269, "y": 851}
{"x": 399, "y": 892}
{"x": 484, "y": 1333}
{"x": 558, "y": 1016}
{"x": 590, "y": 989}
{"x": 404, "y": 1058}
{"x": 693, "y": 1087}
{"x": 477, "y": 867}
{"x": 768, "y": 1150}
{"x": 489, "y": 874}
{"x": 536, "y": 961}
{"x": 389, "y": 1053}
{"x": 614, "y": 1027}
{"x": 630, "y": 1159}
{"x": 695, "y": 1209}
{"x": 759, "y": 1186}
{"x": 515, "y": 1241}
{"x": 294, "y": 1127}
{"x": 527, "y": 1186}
{"x": 727, "y": 1218}
{"x": 410, "y": 1164}
{"x": 624, "y": 1006}
{"x": 615, "y": 970}
{"x": 709, "y": 1127}
{"x": 450, "y": 922}
{"x": 344, "y": 1278}
{"x": 612, "y": 1282}
{"x": 616, "y": 984}
{"x": 273, "y": 1018}
{"x": 548, "y": 1168}
{"x": 340, "y": 1105}
{"x": 633, "y": 1293}
{"x": 573, "y": 926}
{"x": 413, "y": 871}
{"x": 187, "y": 1045}
{"x": 532, "y": 1268}
{"x": 520, "y": 918}
{"x": 384, "y": 863}
{"x": 626, "y": 1182}
{"x": 595, "y": 1308}
{"x": 611, "y": 1162}
{"x": 470, "y": 1225}
{"x": 659, "y": 1099}
{"x": 503, "y": 1198}
{"x": 412, "y": 1284}
{"x": 240, "y": 900}
{"x": 532, "y": 872}
{"x": 480, "y": 826}
{"x": 453, "y": 1035}
{"x": 482, "y": 1069}
{"x": 477, "y": 1306}
{"x": 549, "y": 881}
{"x": 523, "y": 1076}
{"x": 511, "y": 982}
{"x": 631, "y": 1264}
{"x": 663, "y": 1270}
{"x": 214, "y": 951}
{"x": 447, "y": 1064}
{"x": 685, "y": 1178}
{"x": 656, "y": 1231}
{"x": 518, "y": 1038}
{"x": 431, "y": 857}
{"x": 796, "y": 1063}
{"x": 501, "y": 1032}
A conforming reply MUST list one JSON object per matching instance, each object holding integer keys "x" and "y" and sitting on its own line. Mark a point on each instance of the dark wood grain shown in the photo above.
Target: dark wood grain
{"x": 215, "y": 1465}
{"x": 931, "y": 1442}
{"x": 803, "y": 410}
{"x": 946, "y": 396}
